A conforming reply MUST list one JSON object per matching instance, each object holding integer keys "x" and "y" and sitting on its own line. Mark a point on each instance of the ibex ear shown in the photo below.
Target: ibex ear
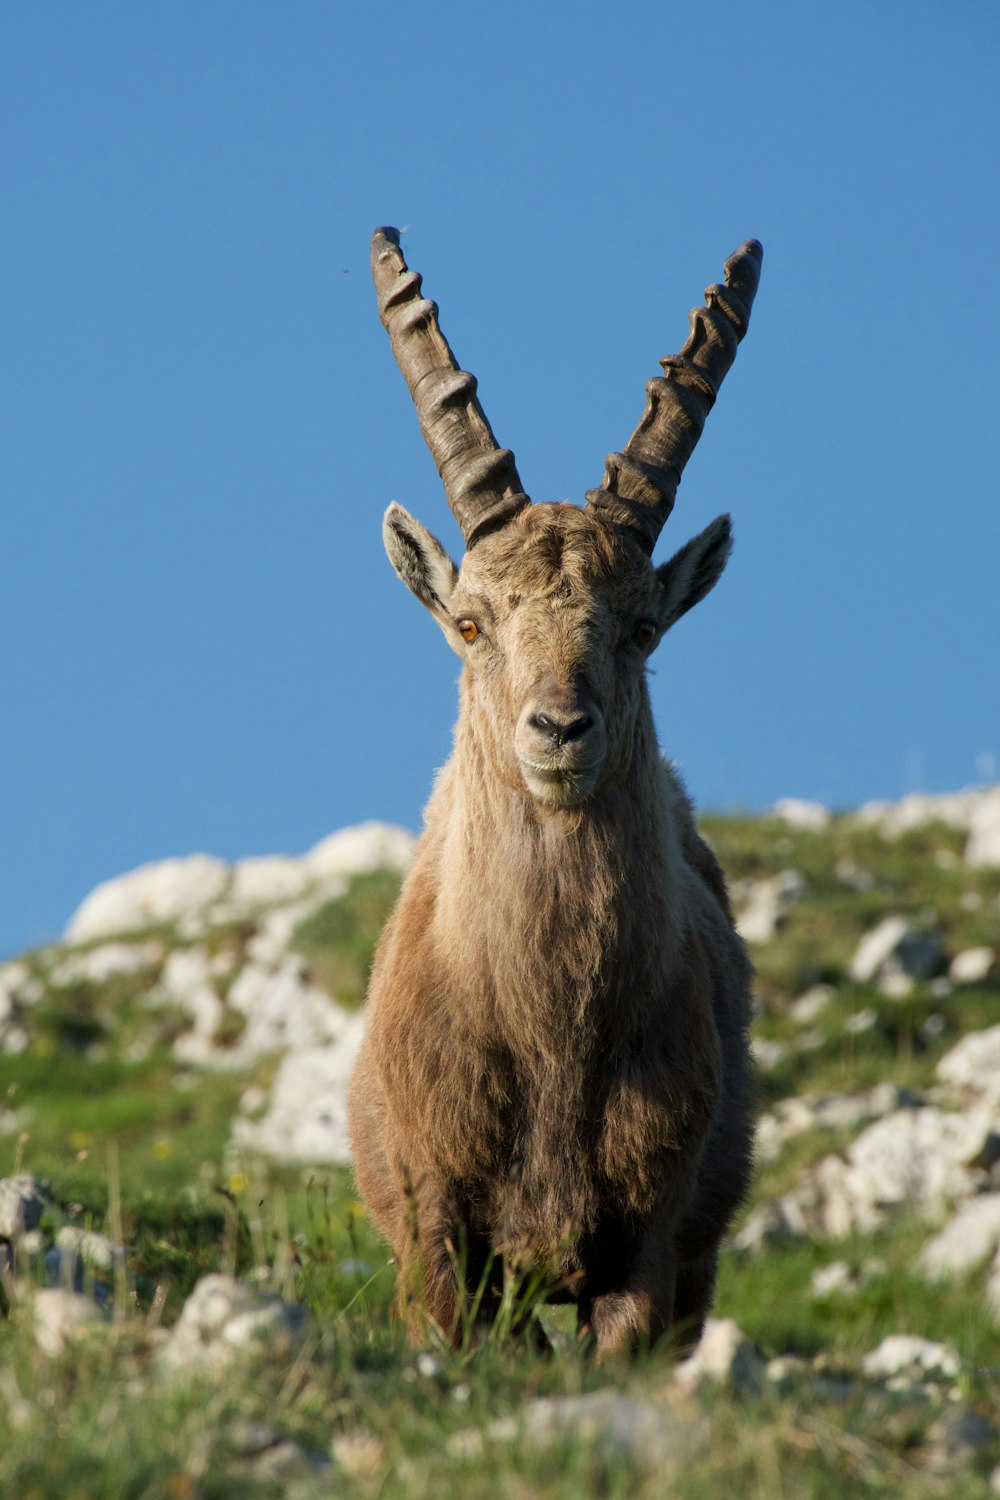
{"x": 694, "y": 571}
{"x": 420, "y": 560}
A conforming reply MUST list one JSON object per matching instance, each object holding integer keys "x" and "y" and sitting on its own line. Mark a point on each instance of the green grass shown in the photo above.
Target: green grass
{"x": 141, "y": 1144}
{"x": 339, "y": 939}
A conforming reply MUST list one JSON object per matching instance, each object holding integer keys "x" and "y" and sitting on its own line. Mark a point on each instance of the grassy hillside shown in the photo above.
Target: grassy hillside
{"x": 131, "y": 1132}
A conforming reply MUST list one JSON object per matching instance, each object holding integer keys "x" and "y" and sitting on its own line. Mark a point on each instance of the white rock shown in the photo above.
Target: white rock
{"x": 993, "y": 1288}
{"x": 924, "y": 1158}
{"x": 851, "y": 875}
{"x": 98, "y": 965}
{"x": 971, "y": 965}
{"x": 894, "y": 949}
{"x": 969, "y": 1237}
{"x": 876, "y": 947}
{"x": 307, "y": 1117}
{"x": 269, "y": 943}
{"x": 767, "y": 1054}
{"x": 973, "y": 1064}
{"x": 154, "y": 893}
{"x": 284, "y": 1010}
{"x": 799, "y": 813}
{"x": 618, "y": 1426}
{"x": 956, "y": 809}
{"x": 88, "y": 1246}
{"x": 983, "y": 847}
{"x": 223, "y": 1319}
{"x": 186, "y": 982}
{"x": 352, "y": 851}
{"x": 835, "y": 1278}
{"x": 793, "y": 1116}
{"x": 724, "y": 1356}
{"x": 15, "y": 1040}
{"x": 60, "y": 1316}
{"x": 907, "y": 1354}
{"x": 19, "y": 984}
{"x": 807, "y": 1007}
{"x": 262, "y": 881}
{"x": 768, "y": 904}
{"x": 22, "y": 1203}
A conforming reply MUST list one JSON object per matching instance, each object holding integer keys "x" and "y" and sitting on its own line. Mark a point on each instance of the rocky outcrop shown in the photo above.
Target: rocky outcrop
{"x": 166, "y": 892}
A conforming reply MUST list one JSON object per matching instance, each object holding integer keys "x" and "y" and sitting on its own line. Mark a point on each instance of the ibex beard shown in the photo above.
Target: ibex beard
{"x": 555, "y": 1077}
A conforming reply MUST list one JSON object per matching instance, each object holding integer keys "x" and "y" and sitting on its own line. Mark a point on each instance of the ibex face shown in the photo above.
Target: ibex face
{"x": 555, "y": 616}
{"x": 555, "y": 609}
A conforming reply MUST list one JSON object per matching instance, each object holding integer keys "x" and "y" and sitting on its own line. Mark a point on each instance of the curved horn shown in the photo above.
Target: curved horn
{"x": 639, "y": 484}
{"x": 480, "y": 478}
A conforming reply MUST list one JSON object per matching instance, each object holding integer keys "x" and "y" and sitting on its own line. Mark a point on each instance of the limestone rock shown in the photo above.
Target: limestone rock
{"x": 969, "y": 1237}
{"x": 307, "y": 1117}
{"x": 268, "y": 879}
{"x": 808, "y": 1007}
{"x": 98, "y": 965}
{"x": 186, "y": 981}
{"x": 617, "y": 1426}
{"x": 767, "y": 1053}
{"x": 283, "y": 1008}
{"x": 894, "y": 953}
{"x": 224, "y": 1319}
{"x": 89, "y": 1247}
{"x": 352, "y": 851}
{"x": 924, "y": 1157}
{"x": 793, "y": 1116}
{"x": 799, "y": 813}
{"x": 971, "y": 965}
{"x": 907, "y": 1354}
{"x": 766, "y": 904}
{"x": 983, "y": 847}
{"x": 19, "y": 985}
{"x": 973, "y": 1065}
{"x": 22, "y": 1203}
{"x": 839, "y": 1279}
{"x": 956, "y": 809}
{"x": 60, "y": 1316}
{"x": 724, "y": 1356}
{"x": 152, "y": 894}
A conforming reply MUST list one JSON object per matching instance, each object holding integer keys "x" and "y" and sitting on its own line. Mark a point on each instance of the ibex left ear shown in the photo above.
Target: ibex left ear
{"x": 694, "y": 571}
{"x": 420, "y": 560}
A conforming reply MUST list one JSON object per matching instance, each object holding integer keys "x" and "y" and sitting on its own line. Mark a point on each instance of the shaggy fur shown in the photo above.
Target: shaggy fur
{"x": 555, "y": 1072}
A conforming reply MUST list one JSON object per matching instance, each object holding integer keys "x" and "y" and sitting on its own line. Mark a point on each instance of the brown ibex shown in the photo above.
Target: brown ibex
{"x": 556, "y": 1070}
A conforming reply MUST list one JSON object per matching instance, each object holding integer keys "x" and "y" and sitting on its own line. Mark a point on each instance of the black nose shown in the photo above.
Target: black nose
{"x": 560, "y": 732}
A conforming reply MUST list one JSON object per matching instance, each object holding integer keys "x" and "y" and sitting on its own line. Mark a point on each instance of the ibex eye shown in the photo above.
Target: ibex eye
{"x": 468, "y": 630}
{"x": 643, "y": 633}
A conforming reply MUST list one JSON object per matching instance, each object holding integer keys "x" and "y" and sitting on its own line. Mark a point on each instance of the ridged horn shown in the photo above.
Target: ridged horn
{"x": 640, "y": 483}
{"x": 480, "y": 478}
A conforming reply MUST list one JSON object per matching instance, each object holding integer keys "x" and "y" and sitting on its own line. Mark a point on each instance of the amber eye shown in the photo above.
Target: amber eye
{"x": 468, "y": 630}
{"x": 643, "y": 633}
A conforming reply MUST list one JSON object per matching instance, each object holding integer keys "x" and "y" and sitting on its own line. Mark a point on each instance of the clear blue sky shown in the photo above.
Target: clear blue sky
{"x": 203, "y": 646}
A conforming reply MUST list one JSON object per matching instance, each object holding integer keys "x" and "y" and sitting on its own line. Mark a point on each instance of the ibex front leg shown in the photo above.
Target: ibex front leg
{"x": 640, "y": 1312}
{"x": 428, "y": 1258}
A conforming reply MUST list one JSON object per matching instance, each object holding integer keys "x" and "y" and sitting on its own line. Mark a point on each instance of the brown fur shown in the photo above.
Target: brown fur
{"x": 555, "y": 1071}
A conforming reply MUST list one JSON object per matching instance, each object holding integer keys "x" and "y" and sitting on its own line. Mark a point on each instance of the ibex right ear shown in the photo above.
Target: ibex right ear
{"x": 420, "y": 560}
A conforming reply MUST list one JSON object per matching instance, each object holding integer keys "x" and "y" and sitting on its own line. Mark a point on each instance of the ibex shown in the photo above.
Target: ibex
{"x": 555, "y": 1071}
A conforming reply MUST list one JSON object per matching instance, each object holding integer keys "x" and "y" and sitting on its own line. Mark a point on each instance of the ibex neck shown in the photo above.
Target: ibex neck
{"x": 566, "y": 916}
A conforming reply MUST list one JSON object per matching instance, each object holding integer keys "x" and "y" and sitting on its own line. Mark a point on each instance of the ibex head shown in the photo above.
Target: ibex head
{"x": 555, "y": 609}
